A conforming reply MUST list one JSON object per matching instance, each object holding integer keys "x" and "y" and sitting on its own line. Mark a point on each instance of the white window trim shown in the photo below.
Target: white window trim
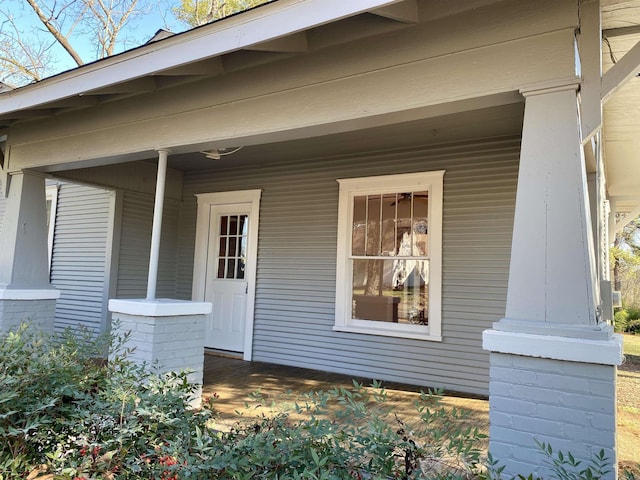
{"x": 51, "y": 193}
{"x": 431, "y": 181}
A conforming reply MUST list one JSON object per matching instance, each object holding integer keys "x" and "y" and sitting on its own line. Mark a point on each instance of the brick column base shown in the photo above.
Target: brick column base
{"x": 36, "y": 307}
{"x": 553, "y": 389}
{"x": 166, "y": 333}
{"x": 570, "y": 405}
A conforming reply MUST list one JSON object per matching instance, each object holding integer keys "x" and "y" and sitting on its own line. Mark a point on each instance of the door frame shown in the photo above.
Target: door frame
{"x": 203, "y": 232}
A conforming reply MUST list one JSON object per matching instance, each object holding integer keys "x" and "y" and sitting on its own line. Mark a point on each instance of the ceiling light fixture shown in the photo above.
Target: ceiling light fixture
{"x": 218, "y": 153}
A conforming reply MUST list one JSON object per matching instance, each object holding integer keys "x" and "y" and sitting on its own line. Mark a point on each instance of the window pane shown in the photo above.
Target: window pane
{"x": 223, "y": 225}
{"x": 222, "y": 252}
{"x": 359, "y": 226}
{"x": 389, "y": 204}
{"x": 232, "y": 246}
{"x": 420, "y": 223}
{"x": 373, "y": 224}
{"x": 231, "y": 267}
{"x": 243, "y": 225}
{"x": 403, "y": 223}
{"x": 233, "y": 225}
{"x": 220, "y": 268}
{"x": 391, "y": 290}
{"x": 241, "y": 267}
{"x": 242, "y": 248}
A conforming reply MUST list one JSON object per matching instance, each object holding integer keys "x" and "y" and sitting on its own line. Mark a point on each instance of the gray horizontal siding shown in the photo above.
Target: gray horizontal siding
{"x": 295, "y": 288}
{"x": 135, "y": 245}
{"x": 78, "y": 260}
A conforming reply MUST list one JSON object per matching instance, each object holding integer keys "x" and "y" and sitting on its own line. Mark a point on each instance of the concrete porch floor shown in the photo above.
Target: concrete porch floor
{"x": 234, "y": 381}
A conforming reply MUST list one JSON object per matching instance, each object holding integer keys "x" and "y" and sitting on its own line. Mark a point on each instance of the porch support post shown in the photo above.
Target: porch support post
{"x": 157, "y": 225}
{"x": 25, "y": 291}
{"x": 552, "y": 364}
{"x": 165, "y": 335}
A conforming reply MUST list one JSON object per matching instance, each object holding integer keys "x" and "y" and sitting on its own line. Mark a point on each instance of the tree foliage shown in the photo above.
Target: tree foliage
{"x": 200, "y": 12}
{"x": 625, "y": 262}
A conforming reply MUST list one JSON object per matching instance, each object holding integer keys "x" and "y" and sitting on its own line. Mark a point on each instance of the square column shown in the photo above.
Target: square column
{"x": 553, "y": 362}
{"x": 167, "y": 332}
{"x": 25, "y": 291}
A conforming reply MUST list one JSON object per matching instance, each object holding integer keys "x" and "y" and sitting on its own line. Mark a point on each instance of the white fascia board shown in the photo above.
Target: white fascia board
{"x": 255, "y": 26}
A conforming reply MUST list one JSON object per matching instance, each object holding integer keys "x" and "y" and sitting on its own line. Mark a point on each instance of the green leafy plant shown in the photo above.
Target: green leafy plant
{"x": 66, "y": 415}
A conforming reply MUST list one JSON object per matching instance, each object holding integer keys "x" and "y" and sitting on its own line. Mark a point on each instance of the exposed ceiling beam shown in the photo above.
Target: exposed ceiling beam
{"x": 296, "y": 43}
{"x": 139, "y": 85}
{"x": 590, "y": 50}
{"x": 211, "y": 66}
{"x": 405, "y": 12}
{"x": 73, "y": 102}
{"x": 626, "y": 220}
{"x": 621, "y": 31}
{"x": 626, "y": 68}
{"x": 35, "y": 113}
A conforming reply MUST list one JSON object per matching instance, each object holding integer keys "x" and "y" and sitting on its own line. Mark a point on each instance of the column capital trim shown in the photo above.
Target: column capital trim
{"x": 604, "y": 352}
{"x": 546, "y": 88}
{"x": 29, "y": 294}
{"x": 162, "y": 307}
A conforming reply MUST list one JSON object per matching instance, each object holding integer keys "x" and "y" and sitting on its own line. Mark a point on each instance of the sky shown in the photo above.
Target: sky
{"x": 141, "y": 29}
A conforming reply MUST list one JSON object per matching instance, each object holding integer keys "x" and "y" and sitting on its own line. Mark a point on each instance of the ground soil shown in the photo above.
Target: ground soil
{"x": 629, "y": 409}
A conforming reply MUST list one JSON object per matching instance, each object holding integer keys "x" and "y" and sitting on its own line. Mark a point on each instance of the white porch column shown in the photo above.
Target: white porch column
{"x": 166, "y": 333}
{"x": 158, "y": 208}
{"x": 25, "y": 291}
{"x": 552, "y": 365}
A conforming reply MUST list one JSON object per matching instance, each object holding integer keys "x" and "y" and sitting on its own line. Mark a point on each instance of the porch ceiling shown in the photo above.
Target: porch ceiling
{"x": 621, "y": 113}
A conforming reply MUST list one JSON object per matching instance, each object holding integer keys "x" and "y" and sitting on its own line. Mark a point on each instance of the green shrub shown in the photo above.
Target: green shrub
{"x": 627, "y": 320}
{"x": 633, "y": 327}
{"x": 66, "y": 416}
{"x": 620, "y": 320}
{"x": 64, "y": 413}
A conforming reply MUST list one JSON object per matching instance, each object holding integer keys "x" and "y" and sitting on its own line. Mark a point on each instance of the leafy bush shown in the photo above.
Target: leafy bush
{"x": 627, "y": 320}
{"x": 633, "y": 327}
{"x": 64, "y": 413}
{"x": 66, "y": 416}
{"x": 620, "y": 320}
{"x": 364, "y": 439}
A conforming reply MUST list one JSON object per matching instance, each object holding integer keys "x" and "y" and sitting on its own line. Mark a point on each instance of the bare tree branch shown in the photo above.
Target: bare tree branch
{"x": 48, "y": 22}
{"x": 68, "y": 24}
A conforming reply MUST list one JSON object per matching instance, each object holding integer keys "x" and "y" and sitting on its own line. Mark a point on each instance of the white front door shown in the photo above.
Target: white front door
{"x": 226, "y": 286}
{"x": 224, "y": 269}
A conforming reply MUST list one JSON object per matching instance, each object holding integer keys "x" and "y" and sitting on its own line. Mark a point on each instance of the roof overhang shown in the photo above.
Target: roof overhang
{"x": 276, "y": 27}
{"x": 621, "y": 107}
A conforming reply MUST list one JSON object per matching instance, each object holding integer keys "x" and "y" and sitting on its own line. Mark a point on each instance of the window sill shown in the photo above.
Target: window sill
{"x": 387, "y": 332}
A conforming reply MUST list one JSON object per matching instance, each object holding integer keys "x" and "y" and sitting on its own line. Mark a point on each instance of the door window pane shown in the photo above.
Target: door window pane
{"x": 232, "y": 246}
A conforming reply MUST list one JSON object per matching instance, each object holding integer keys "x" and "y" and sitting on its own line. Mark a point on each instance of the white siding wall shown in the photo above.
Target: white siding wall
{"x": 78, "y": 261}
{"x": 294, "y": 312}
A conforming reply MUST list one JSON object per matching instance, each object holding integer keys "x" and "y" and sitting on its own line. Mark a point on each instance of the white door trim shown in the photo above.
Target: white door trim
{"x": 203, "y": 230}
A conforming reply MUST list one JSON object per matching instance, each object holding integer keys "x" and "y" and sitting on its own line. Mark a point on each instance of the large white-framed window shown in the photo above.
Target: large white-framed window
{"x": 389, "y": 258}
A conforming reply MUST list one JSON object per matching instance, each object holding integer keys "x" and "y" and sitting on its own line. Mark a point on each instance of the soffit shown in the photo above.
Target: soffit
{"x": 621, "y": 113}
